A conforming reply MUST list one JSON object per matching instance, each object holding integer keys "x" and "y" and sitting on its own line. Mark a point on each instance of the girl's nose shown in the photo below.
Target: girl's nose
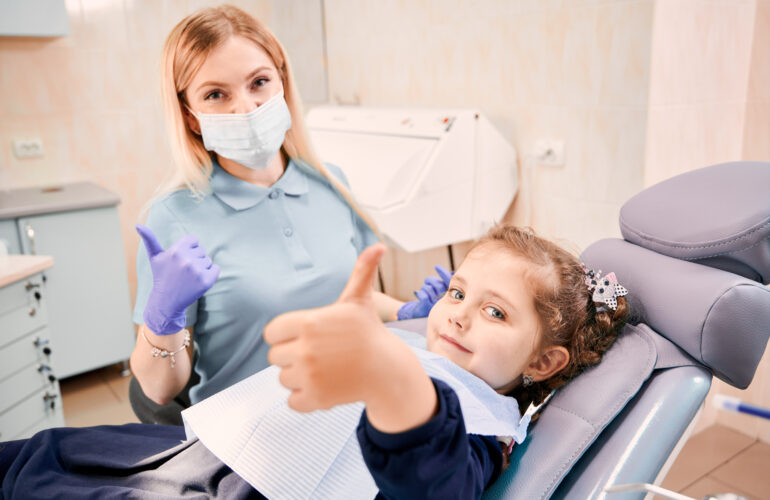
{"x": 459, "y": 319}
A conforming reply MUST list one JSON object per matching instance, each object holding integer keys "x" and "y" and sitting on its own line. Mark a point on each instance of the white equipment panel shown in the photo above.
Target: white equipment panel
{"x": 427, "y": 177}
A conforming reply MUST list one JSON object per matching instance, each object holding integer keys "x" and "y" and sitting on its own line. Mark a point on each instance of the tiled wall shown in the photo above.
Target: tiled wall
{"x": 639, "y": 90}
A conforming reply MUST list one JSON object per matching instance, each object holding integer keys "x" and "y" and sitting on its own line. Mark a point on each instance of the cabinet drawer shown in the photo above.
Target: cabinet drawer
{"x": 26, "y": 314}
{"x": 24, "y": 352}
{"x": 52, "y": 419}
{"x": 20, "y": 293}
{"x": 23, "y": 383}
{"x": 15, "y": 420}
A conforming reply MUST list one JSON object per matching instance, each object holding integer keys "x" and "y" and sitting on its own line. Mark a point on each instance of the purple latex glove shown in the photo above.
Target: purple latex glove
{"x": 180, "y": 275}
{"x": 430, "y": 293}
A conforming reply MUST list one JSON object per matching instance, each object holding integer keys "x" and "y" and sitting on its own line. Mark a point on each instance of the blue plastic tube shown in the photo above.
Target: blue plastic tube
{"x": 735, "y": 404}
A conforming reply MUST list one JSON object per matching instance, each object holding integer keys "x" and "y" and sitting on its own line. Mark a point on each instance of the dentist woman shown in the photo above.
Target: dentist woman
{"x": 251, "y": 226}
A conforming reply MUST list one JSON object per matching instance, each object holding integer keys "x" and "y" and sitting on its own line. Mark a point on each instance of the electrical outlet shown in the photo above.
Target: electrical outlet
{"x": 549, "y": 152}
{"x": 28, "y": 148}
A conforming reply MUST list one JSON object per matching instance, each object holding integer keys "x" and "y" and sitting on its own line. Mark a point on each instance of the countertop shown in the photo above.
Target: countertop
{"x": 17, "y": 267}
{"x": 25, "y": 202}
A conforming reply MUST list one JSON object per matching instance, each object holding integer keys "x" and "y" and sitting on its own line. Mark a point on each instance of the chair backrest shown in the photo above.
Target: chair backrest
{"x": 697, "y": 251}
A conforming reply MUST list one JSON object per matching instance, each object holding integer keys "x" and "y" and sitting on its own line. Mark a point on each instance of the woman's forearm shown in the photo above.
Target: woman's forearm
{"x": 159, "y": 381}
{"x": 387, "y": 306}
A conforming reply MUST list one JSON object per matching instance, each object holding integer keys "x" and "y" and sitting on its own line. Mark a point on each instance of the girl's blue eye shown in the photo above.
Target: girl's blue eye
{"x": 260, "y": 82}
{"x": 456, "y": 294}
{"x": 213, "y": 95}
{"x": 494, "y": 312}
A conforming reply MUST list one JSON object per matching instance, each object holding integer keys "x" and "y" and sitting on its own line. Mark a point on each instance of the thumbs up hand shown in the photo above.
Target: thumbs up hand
{"x": 180, "y": 275}
{"x": 327, "y": 354}
{"x": 343, "y": 353}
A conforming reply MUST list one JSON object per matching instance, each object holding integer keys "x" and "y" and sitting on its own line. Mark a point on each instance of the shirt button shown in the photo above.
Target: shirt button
{"x": 273, "y": 194}
{"x": 288, "y": 232}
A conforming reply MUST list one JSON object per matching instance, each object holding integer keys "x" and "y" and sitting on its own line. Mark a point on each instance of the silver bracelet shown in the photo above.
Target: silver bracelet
{"x": 164, "y": 353}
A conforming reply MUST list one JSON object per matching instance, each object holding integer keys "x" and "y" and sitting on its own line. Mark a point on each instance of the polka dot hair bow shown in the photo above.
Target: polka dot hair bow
{"x": 606, "y": 289}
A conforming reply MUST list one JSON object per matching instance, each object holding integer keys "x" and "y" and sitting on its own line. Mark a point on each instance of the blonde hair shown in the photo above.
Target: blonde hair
{"x": 184, "y": 52}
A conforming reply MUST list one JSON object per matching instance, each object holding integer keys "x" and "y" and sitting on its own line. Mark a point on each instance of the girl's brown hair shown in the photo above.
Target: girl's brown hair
{"x": 567, "y": 314}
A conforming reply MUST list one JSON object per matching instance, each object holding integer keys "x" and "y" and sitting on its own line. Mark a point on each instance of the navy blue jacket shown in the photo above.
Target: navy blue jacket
{"x": 436, "y": 460}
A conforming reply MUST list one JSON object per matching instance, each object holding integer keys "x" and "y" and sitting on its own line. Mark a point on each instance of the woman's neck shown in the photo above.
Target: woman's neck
{"x": 264, "y": 178}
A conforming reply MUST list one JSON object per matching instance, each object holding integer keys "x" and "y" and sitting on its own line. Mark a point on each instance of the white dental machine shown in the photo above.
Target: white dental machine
{"x": 427, "y": 177}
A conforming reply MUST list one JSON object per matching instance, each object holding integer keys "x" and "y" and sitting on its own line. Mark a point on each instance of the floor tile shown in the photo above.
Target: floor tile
{"x": 749, "y": 470}
{"x": 84, "y": 392}
{"x": 113, "y": 377}
{"x": 709, "y": 486}
{"x": 112, "y": 413}
{"x": 703, "y": 453}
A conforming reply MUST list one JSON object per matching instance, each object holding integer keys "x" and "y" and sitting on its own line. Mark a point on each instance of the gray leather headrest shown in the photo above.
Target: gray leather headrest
{"x": 718, "y": 216}
{"x": 719, "y": 318}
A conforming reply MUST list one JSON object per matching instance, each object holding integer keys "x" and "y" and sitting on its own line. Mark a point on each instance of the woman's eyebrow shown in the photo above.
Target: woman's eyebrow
{"x": 254, "y": 73}
{"x": 251, "y": 75}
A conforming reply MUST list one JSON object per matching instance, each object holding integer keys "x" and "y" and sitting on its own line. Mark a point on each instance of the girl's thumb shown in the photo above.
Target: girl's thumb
{"x": 362, "y": 278}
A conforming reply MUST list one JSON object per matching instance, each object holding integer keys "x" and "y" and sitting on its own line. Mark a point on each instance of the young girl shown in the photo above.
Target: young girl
{"x": 520, "y": 314}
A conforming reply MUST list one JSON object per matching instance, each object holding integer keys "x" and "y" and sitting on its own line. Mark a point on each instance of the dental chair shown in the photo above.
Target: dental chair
{"x": 695, "y": 258}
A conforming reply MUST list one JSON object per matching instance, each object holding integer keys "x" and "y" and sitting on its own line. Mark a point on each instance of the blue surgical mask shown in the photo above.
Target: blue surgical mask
{"x": 250, "y": 139}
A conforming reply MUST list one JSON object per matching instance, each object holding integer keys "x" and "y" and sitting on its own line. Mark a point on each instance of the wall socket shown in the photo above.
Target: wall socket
{"x": 549, "y": 152}
{"x": 28, "y": 148}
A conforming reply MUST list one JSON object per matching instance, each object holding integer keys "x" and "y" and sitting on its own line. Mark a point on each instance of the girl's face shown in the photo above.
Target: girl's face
{"x": 486, "y": 322}
{"x": 236, "y": 77}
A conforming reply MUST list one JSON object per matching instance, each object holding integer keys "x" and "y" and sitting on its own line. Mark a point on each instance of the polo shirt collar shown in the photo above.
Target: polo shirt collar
{"x": 240, "y": 195}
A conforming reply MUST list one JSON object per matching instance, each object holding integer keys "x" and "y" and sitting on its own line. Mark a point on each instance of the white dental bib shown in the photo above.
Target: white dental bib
{"x": 285, "y": 454}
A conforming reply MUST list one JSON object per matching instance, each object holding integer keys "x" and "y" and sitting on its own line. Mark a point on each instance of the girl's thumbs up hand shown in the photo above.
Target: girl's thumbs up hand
{"x": 333, "y": 355}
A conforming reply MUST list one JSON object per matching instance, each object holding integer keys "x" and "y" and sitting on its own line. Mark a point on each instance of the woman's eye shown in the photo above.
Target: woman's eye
{"x": 456, "y": 294}
{"x": 494, "y": 312}
{"x": 213, "y": 95}
{"x": 260, "y": 82}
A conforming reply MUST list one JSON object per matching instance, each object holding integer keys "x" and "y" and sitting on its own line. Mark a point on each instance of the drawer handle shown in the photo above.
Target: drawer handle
{"x": 38, "y": 341}
{"x": 31, "y": 236}
{"x": 29, "y": 285}
{"x": 45, "y": 368}
{"x": 32, "y": 311}
{"x": 49, "y": 399}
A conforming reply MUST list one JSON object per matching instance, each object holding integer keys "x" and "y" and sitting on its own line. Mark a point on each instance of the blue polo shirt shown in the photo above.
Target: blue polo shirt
{"x": 285, "y": 247}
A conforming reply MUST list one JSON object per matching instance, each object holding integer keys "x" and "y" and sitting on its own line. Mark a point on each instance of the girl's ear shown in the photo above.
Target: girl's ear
{"x": 550, "y": 362}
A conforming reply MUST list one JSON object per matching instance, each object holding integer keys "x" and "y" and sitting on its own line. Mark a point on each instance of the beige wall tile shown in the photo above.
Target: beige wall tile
{"x": 759, "y": 72}
{"x": 614, "y": 166}
{"x": 683, "y": 138}
{"x": 625, "y": 44}
{"x": 104, "y": 24}
{"x": 756, "y": 136}
{"x": 701, "y": 51}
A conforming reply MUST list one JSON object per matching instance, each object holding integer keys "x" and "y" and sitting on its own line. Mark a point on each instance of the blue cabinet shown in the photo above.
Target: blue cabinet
{"x": 89, "y": 313}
